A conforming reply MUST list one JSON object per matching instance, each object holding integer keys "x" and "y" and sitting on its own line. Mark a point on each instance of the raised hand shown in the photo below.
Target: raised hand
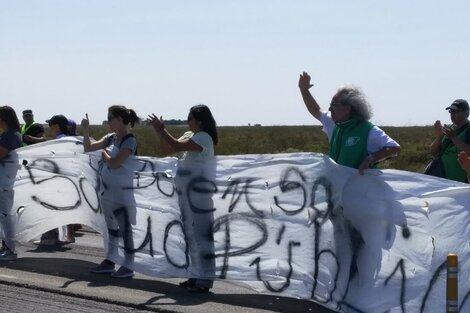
{"x": 85, "y": 122}
{"x": 157, "y": 123}
{"x": 304, "y": 81}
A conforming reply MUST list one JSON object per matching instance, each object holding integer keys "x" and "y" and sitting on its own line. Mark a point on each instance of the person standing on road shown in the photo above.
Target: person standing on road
{"x": 32, "y": 132}
{"x": 10, "y": 140}
{"x": 449, "y": 141}
{"x": 59, "y": 129}
{"x": 117, "y": 148}
{"x": 59, "y": 125}
{"x": 354, "y": 141}
{"x": 197, "y": 216}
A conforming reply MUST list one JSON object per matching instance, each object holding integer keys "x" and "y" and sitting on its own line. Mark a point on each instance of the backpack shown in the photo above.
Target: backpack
{"x": 110, "y": 141}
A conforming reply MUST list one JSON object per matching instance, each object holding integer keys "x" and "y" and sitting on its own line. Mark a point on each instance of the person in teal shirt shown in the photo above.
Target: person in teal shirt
{"x": 450, "y": 140}
{"x": 354, "y": 141}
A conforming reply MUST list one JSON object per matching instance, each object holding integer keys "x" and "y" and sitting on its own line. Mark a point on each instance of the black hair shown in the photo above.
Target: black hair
{"x": 8, "y": 115}
{"x": 64, "y": 129}
{"x": 203, "y": 115}
{"x": 62, "y": 121}
{"x": 127, "y": 115}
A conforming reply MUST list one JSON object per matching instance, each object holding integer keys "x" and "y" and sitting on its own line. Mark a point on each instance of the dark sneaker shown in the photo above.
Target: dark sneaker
{"x": 46, "y": 242}
{"x": 8, "y": 255}
{"x": 198, "y": 289}
{"x": 104, "y": 267}
{"x": 186, "y": 283}
{"x": 123, "y": 272}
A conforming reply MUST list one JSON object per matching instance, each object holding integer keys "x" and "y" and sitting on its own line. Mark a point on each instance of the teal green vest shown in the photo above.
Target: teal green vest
{"x": 449, "y": 154}
{"x": 348, "y": 145}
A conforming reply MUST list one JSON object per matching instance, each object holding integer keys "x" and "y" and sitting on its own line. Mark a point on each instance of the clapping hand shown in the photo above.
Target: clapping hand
{"x": 156, "y": 122}
{"x": 449, "y": 131}
{"x": 438, "y": 129}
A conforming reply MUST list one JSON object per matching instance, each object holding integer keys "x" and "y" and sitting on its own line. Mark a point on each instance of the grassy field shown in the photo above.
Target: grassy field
{"x": 414, "y": 141}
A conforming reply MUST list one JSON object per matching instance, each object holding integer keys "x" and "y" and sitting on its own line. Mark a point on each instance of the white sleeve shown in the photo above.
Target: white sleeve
{"x": 203, "y": 140}
{"x": 328, "y": 124}
{"x": 187, "y": 135}
{"x": 378, "y": 139}
{"x": 130, "y": 143}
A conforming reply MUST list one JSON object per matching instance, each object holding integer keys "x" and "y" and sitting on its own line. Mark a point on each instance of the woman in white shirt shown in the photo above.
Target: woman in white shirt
{"x": 117, "y": 148}
{"x": 197, "y": 212}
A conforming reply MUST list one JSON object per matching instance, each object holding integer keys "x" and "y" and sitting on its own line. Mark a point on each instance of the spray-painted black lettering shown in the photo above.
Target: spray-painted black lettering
{"x": 237, "y": 192}
{"x": 321, "y": 216}
{"x": 401, "y": 266}
{"x": 335, "y": 281}
{"x": 42, "y": 164}
{"x": 50, "y": 206}
{"x": 288, "y": 184}
{"x": 319, "y": 219}
{"x": 433, "y": 281}
{"x": 289, "y": 274}
{"x": 464, "y": 301}
{"x": 225, "y": 221}
{"x": 98, "y": 207}
{"x": 127, "y": 234}
{"x": 280, "y": 234}
{"x": 176, "y": 223}
{"x": 200, "y": 187}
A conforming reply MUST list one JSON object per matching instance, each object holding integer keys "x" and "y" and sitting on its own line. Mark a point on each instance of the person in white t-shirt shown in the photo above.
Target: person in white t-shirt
{"x": 117, "y": 148}
{"x": 354, "y": 141}
{"x": 197, "y": 166}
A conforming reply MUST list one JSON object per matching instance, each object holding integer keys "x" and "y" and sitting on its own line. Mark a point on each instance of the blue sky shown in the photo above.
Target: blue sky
{"x": 241, "y": 58}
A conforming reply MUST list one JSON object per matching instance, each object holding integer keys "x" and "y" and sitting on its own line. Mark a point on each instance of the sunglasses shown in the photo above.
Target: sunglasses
{"x": 335, "y": 104}
{"x": 452, "y": 111}
{"x": 110, "y": 118}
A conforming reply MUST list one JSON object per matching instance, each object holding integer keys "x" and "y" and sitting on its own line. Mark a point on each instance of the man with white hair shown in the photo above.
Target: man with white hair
{"x": 354, "y": 141}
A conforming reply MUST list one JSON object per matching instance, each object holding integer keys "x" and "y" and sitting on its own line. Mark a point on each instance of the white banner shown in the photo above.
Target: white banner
{"x": 296, "y": 225}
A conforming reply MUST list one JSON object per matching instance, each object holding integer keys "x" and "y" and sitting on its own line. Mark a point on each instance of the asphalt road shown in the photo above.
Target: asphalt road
{"x": 43, "y": 279}
{"x": 20, "y": 299}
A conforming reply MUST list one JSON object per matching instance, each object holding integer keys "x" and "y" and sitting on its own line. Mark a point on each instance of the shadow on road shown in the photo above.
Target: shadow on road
{"x": 167, "y": 294}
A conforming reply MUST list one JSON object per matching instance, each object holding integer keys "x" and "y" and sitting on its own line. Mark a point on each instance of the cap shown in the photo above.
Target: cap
{"x": 459, "y": 104}
{"x": 28, "y": 112}
{"x": 57, "y": 119}
{"x": 72, "y": 125}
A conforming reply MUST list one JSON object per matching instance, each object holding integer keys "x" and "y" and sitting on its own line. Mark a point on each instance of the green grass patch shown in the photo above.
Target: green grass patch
{"x": 414, "y": 141}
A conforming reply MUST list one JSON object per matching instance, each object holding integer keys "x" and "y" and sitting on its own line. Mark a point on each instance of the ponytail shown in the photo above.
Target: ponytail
{"x": 128, "y": 116}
